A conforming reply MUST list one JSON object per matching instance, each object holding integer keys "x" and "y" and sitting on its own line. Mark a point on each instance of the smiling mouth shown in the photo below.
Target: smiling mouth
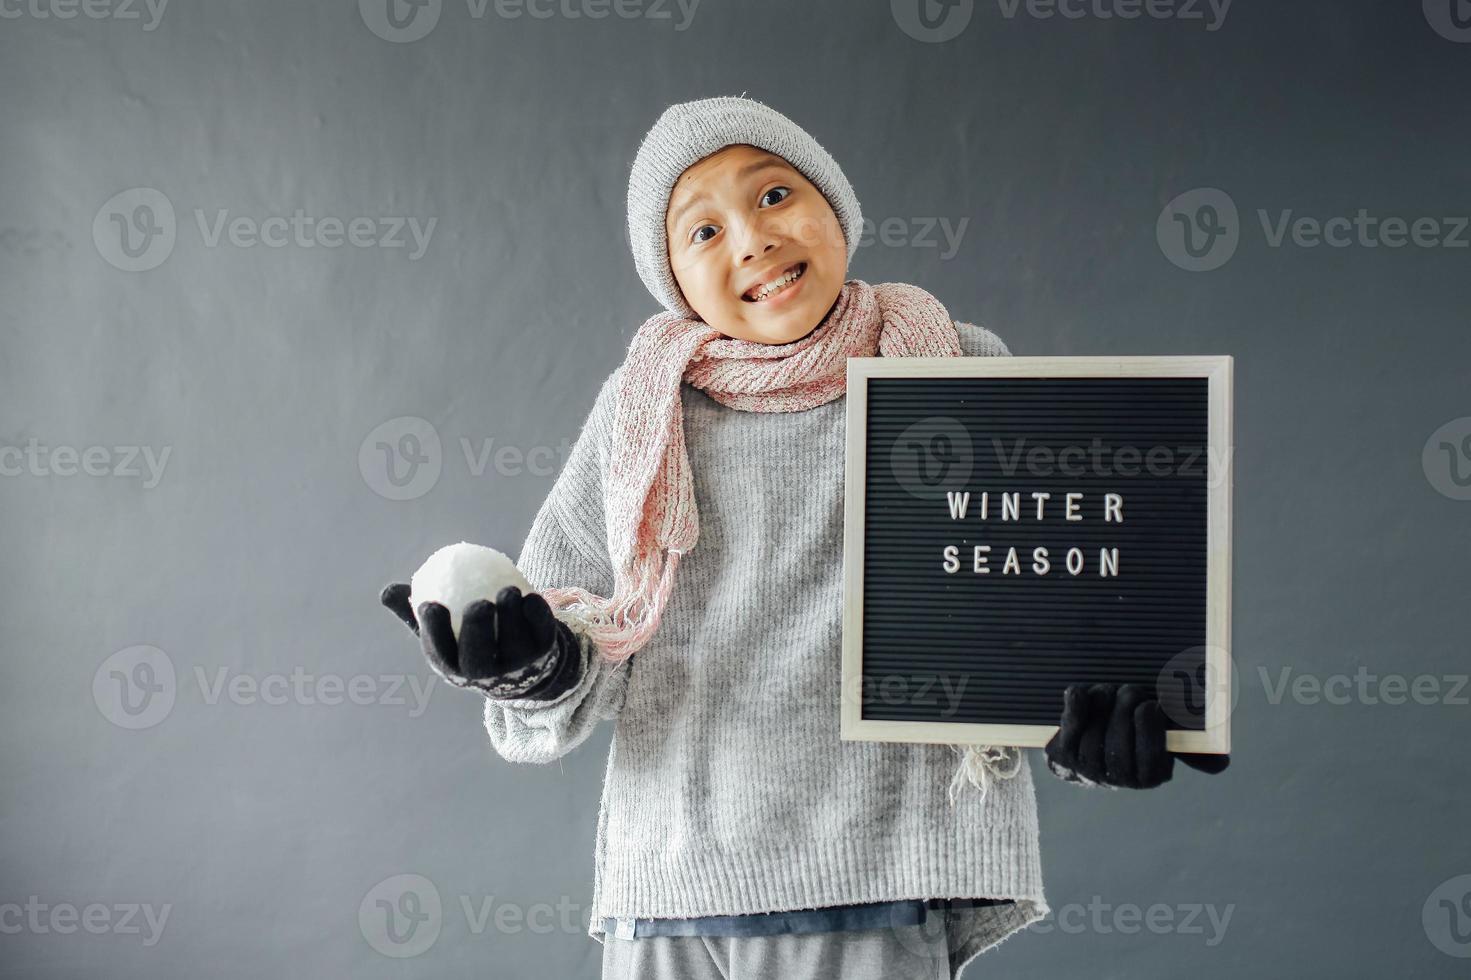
{"x": 783, "y": 282}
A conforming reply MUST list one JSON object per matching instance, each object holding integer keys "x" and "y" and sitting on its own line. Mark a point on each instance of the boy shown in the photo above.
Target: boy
{"x": 738, "y": 836}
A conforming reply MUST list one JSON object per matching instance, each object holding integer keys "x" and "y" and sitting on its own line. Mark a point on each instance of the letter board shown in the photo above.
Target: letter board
{"x": 1016, "y": 524}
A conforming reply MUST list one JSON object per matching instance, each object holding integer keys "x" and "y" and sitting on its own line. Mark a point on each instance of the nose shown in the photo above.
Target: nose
{"x": 755, "y": 239}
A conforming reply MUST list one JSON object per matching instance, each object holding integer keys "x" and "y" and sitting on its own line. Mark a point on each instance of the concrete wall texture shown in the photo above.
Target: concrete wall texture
{"x": 244, "y": 245}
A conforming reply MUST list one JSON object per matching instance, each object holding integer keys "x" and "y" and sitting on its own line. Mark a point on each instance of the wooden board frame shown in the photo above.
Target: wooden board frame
{"x": 1217, "y": 369}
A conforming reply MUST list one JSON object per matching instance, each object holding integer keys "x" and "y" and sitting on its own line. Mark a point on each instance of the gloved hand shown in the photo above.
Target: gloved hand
{"x": 1114, "y": 736}
{"x": 514, "y": 647}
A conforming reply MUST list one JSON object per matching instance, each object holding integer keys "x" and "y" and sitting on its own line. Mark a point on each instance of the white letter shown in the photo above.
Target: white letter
{"x": 1040, "y": 564}
{"x": 1012, "y": 566}
{"x": 1074, "y": 567}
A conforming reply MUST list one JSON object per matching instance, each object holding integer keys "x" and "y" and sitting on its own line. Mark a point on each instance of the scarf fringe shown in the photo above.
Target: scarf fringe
{"x": 620, "y": 628}
{"x": 982, "y": 764}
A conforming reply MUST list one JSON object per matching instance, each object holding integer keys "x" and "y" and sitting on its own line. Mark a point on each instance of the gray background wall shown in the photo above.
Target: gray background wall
{"x": 264, "y": 820}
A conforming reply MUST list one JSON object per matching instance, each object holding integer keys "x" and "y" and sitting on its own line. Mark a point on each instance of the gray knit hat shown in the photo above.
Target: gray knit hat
{"x": 690, "y": 131}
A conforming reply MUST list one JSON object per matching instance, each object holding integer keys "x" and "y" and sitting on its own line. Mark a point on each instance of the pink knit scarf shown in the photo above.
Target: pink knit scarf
{"x": 650, "y": 500}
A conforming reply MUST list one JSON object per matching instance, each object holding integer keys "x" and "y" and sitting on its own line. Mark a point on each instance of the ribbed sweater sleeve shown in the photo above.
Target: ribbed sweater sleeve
{"x": 567, "y": 547}
{"x": 980, "y": 342}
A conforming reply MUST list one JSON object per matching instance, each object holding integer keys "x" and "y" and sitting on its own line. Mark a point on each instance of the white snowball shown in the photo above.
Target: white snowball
{"x": 458, "y": 574}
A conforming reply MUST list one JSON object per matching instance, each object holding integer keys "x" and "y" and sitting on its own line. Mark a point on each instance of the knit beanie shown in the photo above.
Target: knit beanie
{"x": 690, "y": 131}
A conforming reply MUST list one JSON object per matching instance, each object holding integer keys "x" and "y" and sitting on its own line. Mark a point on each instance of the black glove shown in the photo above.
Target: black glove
{"x": 514, "y": 647}
{"x": 1114, "y": 736}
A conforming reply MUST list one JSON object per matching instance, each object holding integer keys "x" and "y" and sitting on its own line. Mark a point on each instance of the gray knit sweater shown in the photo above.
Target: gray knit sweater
{"x": 727, "y": 789}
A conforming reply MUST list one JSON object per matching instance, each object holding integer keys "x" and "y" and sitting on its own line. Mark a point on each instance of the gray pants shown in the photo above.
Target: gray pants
{"x": 918, "y": 952}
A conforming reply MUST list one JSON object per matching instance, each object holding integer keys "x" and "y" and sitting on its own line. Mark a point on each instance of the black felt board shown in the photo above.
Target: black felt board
{"x": 1007, "y": 644}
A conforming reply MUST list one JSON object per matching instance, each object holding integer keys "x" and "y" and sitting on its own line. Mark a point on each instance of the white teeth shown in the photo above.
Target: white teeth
{"x": 766, "y": 289}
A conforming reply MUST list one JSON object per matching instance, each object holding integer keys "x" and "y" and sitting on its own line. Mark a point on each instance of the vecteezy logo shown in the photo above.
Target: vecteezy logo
{"x": 932, "y": 21}
{"x": 135, "y": 229}
{"x": 1447, "y": 917}
{"x": 401, "y": 916}
{"x": 1447, "y": 459}
{"x": 1197, "y": 687}
{"x": 1199, "y": 230}
{"x": 1451, "y": 19}
{"x": 401, "y": 459}
{"x": 400, "y": 21}
{"x": 932, "y": 456}
{"x": 135, "y": 688}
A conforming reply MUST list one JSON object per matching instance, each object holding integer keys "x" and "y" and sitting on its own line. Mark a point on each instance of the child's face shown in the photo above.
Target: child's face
{"x": 741, "y": 218}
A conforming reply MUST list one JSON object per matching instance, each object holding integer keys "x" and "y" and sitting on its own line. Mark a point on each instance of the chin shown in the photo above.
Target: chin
{"x": 793, "y": 325}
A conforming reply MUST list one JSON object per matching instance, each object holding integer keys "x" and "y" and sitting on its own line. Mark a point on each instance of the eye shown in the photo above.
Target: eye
{"x": 785, "y": 191}
{"x": 695, "y": 235}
